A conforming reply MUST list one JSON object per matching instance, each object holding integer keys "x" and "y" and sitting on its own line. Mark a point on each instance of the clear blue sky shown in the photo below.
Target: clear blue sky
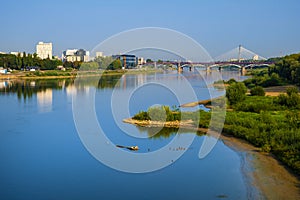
{"x": 267, "y": 27}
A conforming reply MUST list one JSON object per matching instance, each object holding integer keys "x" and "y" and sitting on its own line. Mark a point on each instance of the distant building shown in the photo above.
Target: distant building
{"x": 99, "y": 54}
{"x": 72, "y": 55}
{"x": 128, "y": 61}
{"x": 255, "y": 57}
{"x": 17, "y": 53}
{"x": 3, "y": 71}
{"x": 141, "y": 61}
{"x": 44, "y": 50}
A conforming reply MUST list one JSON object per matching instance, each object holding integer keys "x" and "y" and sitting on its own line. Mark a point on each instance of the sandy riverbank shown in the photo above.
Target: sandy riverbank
{"x": 272, "y": 178}
{"x": 184, "y": 125}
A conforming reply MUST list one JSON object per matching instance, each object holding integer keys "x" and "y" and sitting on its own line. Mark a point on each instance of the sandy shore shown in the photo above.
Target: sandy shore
{"x": 273, "y": 179}
{"x": 184, "y": 125}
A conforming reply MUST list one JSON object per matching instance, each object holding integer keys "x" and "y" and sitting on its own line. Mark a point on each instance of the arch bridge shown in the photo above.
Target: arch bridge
{"x": 223, "y": 65}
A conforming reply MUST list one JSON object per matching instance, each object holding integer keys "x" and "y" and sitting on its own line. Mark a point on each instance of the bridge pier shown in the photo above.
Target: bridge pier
{"x": 243, "y": 71}
{"x": 179, "y": 68}
{"x": 208, "y": 69}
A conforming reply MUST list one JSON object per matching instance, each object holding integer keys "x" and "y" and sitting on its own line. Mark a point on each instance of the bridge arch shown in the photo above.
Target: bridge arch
{"x": 250, "y": 66}
{"x": 232, "y": 65}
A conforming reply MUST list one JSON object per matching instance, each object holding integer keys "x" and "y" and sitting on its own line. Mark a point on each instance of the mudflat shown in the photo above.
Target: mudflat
{"x": 271, "y": 177}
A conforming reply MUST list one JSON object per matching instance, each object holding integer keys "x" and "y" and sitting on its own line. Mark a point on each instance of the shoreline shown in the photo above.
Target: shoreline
{"x": 184, "y": 125}
{"x": 268, "y": 175}
{"x": 265, "y": 176}
{"x": 22, "y": 75}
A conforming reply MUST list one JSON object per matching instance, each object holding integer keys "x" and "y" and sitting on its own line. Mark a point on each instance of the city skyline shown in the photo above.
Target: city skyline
{"x": 266, "y": 27}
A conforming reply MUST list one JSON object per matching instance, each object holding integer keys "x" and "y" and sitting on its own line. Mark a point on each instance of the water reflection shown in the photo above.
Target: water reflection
{"x": 165, "y": 132}
{"x": 44, "y": 99}
{"x": 25, "y": 89}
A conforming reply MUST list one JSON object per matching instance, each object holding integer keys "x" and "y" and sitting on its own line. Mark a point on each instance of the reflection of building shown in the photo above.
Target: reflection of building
{"x": 72, "y": 55}
{"x": 70, "y": 90}
{"x": 3, "y": 84}
{"x": 44, "y": 50}
{"x": 128, "y": 61}
{"x": 44, "y": 99}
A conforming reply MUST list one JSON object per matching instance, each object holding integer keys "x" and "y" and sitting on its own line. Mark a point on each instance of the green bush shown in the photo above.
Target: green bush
{"x": 257, "y": 91}
{"x": 236, "y": 92}
{"x": 230, "y": 81}
{"x": 142, "y": 115}
{"x": 291, "y": 100}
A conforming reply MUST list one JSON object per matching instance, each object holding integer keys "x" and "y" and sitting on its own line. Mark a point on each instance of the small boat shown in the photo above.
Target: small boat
{"x": 132, "y": 148}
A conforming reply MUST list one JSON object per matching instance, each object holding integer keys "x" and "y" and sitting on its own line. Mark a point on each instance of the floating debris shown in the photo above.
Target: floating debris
{"x": 131, "y": 148}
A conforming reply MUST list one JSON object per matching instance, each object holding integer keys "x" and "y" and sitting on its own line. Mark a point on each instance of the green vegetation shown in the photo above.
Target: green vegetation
{"x": 288, "y": 68}
{"x": 164, "y": 113}
{"x": 257, "y": 91}
{"x": 27, "y": 61}
{"x": 291, "y": 100}
{"x": 50, "y": 73}
{"x": 262, "y": 78}
{"x": 236, "y": 92}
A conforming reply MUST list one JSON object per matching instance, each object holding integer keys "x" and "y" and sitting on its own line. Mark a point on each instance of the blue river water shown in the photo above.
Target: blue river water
{"x": 43, "y": 157}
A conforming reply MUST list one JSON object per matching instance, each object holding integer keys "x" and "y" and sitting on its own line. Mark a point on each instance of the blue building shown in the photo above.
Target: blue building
{"x": 128, "y": 61}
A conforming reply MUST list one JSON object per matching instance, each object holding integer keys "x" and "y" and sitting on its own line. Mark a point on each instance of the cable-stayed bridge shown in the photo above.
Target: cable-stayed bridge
{"x": 238, "y": 58}
{"x": 239, "y": 54}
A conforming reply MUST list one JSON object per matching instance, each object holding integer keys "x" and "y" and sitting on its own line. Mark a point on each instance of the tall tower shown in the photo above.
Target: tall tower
{"x": 240, "y": 49}
{"x": 44, "y": 50}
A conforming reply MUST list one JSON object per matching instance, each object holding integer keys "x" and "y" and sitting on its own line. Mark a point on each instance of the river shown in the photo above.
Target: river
{"x": 43, "y": 157}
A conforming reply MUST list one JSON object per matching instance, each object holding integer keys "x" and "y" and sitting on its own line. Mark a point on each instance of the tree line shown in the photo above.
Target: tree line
{"x": 25, "y": 61}
{"x": 288, "y": 68}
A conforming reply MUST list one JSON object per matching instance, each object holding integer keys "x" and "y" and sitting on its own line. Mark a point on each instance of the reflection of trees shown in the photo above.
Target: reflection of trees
{"x": 26, "y": 88}
{"x": 165, "y": 132}
{"x": 109, "y": 81}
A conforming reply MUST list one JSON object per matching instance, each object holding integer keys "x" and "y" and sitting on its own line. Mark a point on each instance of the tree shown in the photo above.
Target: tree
{"x": 104, "y": 62}
{"x": 116, "y": 64}
{"x": 19, "y": 61}
{"x": 257, "y": 91}
{"x": 89, "y": 66}
{"x": 236, "y": 92}
{"x": 291, "y": 90}
{"x": 291, "y": 100}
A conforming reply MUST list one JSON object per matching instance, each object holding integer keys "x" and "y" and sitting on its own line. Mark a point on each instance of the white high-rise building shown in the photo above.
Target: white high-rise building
{"x": 72, "y": 55}
{"x": 44, "y": 50}
{"x": 99, "y": 54}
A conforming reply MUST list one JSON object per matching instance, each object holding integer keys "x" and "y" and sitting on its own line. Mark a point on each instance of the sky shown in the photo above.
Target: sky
{"x": 269, "y": 28}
